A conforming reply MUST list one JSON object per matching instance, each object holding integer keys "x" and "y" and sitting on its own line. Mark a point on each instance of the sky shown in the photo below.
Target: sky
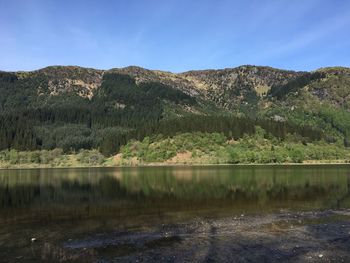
{"x": 174, "y": 35}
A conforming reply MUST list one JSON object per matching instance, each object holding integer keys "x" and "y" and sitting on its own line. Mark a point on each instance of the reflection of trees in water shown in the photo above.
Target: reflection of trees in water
{"x": 167, "y": 185}
{"x": 243, "y": 183}
{"x": 19, "y": 195}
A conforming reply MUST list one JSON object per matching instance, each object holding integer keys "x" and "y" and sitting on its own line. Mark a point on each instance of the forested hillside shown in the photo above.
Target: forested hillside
{"x": 73, "y": 108}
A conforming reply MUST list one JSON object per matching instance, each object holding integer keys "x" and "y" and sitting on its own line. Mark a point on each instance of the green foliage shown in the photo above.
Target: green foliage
{"x": 52, "y": 158}
{"x": 294, "y": 85}
{"x": 14, "y": 157}
{"x": 155, "y": 89}
{"x": 38, "y": 112}
{"x": 339, "y": 119}
{"x": 71, "y": 122}
{"x": 91, "y": 158}
{"x": 159, "y": 149}
{"x": 210, "y": 147}
{"x": 69, "y": 137}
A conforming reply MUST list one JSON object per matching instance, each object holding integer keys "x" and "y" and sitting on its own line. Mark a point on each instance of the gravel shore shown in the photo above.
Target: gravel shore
{"x": 322, "y": 236}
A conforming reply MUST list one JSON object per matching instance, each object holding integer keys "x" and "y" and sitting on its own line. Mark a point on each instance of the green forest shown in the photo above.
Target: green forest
{"x": 124, "y": 115}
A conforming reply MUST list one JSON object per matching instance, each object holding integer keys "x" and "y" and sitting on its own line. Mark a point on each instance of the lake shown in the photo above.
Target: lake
{"x": 176, "y": 214}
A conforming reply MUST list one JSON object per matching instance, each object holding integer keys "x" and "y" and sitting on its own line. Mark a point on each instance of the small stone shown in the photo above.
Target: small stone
{"x": 320, "y": 256}
{"x": 33, "y": 239}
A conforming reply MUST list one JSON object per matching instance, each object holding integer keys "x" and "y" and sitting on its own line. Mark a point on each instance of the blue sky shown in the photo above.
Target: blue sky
{"x": 174, "y": 35}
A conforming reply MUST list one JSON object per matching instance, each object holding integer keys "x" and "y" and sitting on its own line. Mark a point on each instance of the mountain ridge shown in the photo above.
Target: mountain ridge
{"x": 194, "y": 82}
{"x": 168, "y": 71}
{"x": 131, "y": 102}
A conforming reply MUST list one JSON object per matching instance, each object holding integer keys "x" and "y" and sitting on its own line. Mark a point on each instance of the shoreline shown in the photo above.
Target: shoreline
{"x": 285, "y": 236}
{"x": 173, "y": 165}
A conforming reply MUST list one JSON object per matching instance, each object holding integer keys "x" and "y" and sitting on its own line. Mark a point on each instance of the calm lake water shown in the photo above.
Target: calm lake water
{"x": 107, "y": 214}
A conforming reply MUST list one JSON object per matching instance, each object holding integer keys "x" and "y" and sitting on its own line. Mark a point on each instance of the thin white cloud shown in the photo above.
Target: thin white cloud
{"x": 307, "y": 38}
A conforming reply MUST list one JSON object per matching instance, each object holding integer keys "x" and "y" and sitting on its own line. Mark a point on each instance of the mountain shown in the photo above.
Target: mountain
{"x": 225, "y": 87}
{"x": 74, "y": 108}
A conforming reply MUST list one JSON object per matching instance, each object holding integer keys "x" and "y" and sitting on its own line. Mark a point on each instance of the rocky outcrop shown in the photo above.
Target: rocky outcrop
{"x": 232, "y": 86}
{"x": 227, "y": 88}
{"x": 58, "y": 80}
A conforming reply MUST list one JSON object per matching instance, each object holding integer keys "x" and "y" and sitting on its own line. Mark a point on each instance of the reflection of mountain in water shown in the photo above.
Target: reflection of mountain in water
{"x": 174, "y": 188}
